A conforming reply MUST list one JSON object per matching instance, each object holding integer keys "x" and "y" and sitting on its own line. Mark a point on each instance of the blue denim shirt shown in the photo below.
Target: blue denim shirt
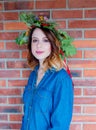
{"x": 49, "y": 105}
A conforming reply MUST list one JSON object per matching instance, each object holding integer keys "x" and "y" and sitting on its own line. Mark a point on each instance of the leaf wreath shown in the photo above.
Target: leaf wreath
{"x": 66, "y": 49}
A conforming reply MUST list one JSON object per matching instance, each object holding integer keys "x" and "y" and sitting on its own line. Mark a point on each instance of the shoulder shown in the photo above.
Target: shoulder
{"x": 62, "y": 73}
{"x": 63, "y": 84}
{"x": 62, "y": 77}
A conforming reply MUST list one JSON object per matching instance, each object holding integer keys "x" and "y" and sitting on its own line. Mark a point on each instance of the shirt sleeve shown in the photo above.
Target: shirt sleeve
{"x": 62, "y": 104}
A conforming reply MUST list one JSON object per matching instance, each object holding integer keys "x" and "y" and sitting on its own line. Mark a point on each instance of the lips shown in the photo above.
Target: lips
{"x": 39, "y": 52}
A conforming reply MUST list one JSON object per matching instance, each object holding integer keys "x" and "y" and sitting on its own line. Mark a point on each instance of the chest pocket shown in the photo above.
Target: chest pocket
{"x": 43, "y": 100}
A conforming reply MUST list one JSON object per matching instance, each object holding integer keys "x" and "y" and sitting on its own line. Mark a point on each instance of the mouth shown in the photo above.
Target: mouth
{"x": 39, "y": 52}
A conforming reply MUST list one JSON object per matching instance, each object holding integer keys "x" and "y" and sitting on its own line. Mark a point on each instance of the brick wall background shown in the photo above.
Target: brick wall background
{"x": 78, "y": 18}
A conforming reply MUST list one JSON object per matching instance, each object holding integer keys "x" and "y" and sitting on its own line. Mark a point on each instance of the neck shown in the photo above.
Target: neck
{"x": 41, "y": 64}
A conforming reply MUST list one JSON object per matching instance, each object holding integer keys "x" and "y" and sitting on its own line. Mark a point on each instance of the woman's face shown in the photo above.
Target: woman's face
{"x": 40, "y": 45}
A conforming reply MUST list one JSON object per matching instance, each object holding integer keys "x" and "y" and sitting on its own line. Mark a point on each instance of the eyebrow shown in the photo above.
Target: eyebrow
{"x": 34, "y": 37}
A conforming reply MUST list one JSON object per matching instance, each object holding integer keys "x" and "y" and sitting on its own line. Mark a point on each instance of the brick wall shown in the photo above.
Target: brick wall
{"x": 78, "y": 18}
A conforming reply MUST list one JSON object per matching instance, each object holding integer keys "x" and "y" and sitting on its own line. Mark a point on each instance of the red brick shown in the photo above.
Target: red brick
{"x": 17, "y": 64}
{"x": 89, "y": 91}
{"x": 67, "y": 14}
{"x": 15, "y": 117}
{"x": 75, "y": 33}
{"x": 82, "y": 3}
{"x": 15, "y": 26}
{"x": 89, "y": 126}
{"x": 8, "y": 16}
{"x": 7, "y": 92}
{"x": 44, "y": 13}
{"x": 89, "y": 109}
{"x": 84, "y": 100}
{"x": 17, "y": 5}
{"x": 84, "y": 118}
{"x": 15, "y": 100}
{"x": 82, "y": 64}
{"x": 77, "y": 109}
{"x": 51, "y": 4}
{"x": 14, "y": 46}
{"x": 25, "y": 73}
{"x": 77, "y": 91}
{"x": 1, "y": 16}
{"x": 2, "y": 65}
{"x": 78, "y": 54}
{"x": 90, "y": 73}
{"x": 13, "y": 83}
{"x": 85, "y": 43}
{"x": 76, "y": 126}
{"x": 90, "y": 13}
{"x": 10, "y": 126}
{"x": 8, "y": 35}
{"x": 76, "y": 73}
{"x": 3, "y": 100}
{"x": 85, "y": 82}
{"x": 11, "y": 109}
{"x": 90, "y": 54}
{"x": 90, "y": 33}
{"x": 3, "y": 117}
{"x": 62, "y": 24}
{"x": 9, "y": 54}
{"x": 2, "y": 83}
{"x": 1, "y": 26}
{"x": 82, "y": 24}
{"x": 9, "y": 73}
{"x": 24, "y": 54}
{"x": 1, "y": 6}
{"x": 1, "y": 45}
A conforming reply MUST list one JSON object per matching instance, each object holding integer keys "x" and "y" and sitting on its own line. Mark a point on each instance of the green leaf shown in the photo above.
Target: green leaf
{"x": 22, "y": 39}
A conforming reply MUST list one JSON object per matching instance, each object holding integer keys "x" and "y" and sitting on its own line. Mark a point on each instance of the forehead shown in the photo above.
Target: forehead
{"x": 38, "y": 33}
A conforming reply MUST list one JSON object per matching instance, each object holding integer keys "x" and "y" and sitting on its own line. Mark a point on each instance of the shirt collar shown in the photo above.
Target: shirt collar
{"x": 52, "y": 69}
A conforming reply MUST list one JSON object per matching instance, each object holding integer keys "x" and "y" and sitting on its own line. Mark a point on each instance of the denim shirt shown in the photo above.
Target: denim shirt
{"x": 48, "y": 106}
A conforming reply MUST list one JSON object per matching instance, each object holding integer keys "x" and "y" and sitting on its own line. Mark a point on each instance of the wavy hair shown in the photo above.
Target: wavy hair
{"x": 53, "y": 60}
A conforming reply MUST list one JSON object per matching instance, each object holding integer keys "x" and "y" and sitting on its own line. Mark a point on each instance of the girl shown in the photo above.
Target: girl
{"x": 48, "y": 96}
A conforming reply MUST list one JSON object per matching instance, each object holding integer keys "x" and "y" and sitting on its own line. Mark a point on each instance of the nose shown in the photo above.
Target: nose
{"x": 39, "y": 44}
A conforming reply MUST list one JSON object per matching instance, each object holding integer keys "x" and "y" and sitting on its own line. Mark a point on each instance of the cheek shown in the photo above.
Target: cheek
{"x": 49, "y": 49}
{"x": 32, "y": 49}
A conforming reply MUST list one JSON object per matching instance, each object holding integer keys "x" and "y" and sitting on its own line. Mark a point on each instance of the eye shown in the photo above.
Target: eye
{"x": 34, "y": 40}
{"x": 46, "y": 40}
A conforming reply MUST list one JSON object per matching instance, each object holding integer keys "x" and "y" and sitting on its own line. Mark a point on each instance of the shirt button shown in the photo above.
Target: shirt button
{"x": 28, "y": 119}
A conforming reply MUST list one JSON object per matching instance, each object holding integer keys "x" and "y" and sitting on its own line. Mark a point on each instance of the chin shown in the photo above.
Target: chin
{"x": 41, "y": 57}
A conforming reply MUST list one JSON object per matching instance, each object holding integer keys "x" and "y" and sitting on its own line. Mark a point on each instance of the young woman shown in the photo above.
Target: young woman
{"x": 48, "y": 96}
